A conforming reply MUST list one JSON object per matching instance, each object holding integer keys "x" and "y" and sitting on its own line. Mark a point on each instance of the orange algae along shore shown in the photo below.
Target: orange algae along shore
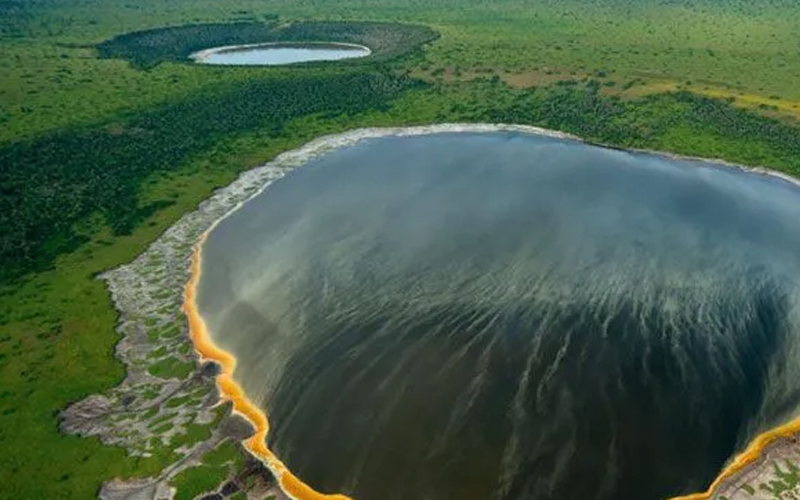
{"x": 293, "y": 486}
{"x": 231, "y": 391}
{"x": 750, "y": 454}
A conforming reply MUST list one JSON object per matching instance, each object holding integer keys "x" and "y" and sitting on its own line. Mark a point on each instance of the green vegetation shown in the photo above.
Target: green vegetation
{"x": 52, "y": 77}
{"x": 99, "y": 170}
{"x": 217, "y": 465}
{"x": 147, "y": 48}
{"x": 171, "y": 368}
{"x": 680, "y": 122}
{"x": 101, "y": 149}
{"x": 786, "y": 481}
{"x": 57, "y": 336}
{"x": 196, "y": 480}
{"x": 179, "y": 401}
{"x": 224, "y": 454}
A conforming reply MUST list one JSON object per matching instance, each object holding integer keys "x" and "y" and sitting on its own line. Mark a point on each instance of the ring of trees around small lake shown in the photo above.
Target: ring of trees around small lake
{"x": 148, "y": 48}
{"x": 52, "y": 183}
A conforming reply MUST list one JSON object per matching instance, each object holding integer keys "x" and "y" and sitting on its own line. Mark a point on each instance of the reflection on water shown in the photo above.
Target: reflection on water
{"x": 278, "y": 54}
{"x": 506, "y": 316}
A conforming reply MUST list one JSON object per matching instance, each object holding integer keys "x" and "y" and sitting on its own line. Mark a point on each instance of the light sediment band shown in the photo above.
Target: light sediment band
{"x": 231, "y": 391}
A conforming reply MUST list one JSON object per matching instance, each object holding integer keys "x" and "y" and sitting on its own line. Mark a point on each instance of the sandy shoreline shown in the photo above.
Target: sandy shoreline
{"x": 202, "y": 55}
{"x": 182, "y": 244}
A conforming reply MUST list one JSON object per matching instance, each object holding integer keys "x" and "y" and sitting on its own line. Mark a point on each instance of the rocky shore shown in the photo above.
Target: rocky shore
{"x": 168, "y": 402}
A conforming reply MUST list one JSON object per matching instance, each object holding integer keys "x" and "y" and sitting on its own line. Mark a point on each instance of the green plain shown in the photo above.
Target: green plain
{"x": 715, "y": 78}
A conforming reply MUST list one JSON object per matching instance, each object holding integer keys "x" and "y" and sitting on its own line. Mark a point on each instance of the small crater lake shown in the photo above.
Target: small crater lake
{"x": 278, "y": 54}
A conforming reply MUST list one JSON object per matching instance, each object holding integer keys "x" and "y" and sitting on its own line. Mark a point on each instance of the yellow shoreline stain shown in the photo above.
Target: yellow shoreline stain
{"x": 751, "y": 453}
{"x": 293, "y": 486}
{"x": 231, "y": 391}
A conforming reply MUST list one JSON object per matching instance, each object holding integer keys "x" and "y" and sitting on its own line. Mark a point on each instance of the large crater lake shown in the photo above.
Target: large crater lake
{"x": 278, "y": 54}
{"x": 508, "y": 316}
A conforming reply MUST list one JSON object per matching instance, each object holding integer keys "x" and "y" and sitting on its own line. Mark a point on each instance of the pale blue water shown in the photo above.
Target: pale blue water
{"x": 277, "y": 55}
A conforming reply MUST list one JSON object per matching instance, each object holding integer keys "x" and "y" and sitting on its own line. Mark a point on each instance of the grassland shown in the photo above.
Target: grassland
{"x": 596, "y": 68}
{"x": 729, "y": 46}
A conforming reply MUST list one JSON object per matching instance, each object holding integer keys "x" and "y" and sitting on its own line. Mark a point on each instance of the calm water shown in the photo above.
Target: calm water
{"x": 279, "y": 54}
{"x": 506, "y": 316}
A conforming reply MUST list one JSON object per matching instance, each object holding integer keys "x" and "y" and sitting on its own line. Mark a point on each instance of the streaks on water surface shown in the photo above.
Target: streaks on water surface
{"x": 493, "y": 315}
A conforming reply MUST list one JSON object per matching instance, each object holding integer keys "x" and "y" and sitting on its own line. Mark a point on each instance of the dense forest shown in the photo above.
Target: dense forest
{"x": 13, "y": 17}
{"x": 646, "y": 123}
{"x": 50, "y": 184}
{"x": 145, "y": 49}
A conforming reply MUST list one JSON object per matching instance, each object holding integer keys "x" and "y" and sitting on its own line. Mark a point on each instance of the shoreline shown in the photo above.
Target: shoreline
{"x": 230, "y": 390}
{"x": 197, "y": 224}
{"x": 201, "y": 56}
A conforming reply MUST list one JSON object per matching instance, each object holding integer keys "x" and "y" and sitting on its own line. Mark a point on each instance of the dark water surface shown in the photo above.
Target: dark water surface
{"x": 279, "y": 54}
{"x": 505, "y": 316}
